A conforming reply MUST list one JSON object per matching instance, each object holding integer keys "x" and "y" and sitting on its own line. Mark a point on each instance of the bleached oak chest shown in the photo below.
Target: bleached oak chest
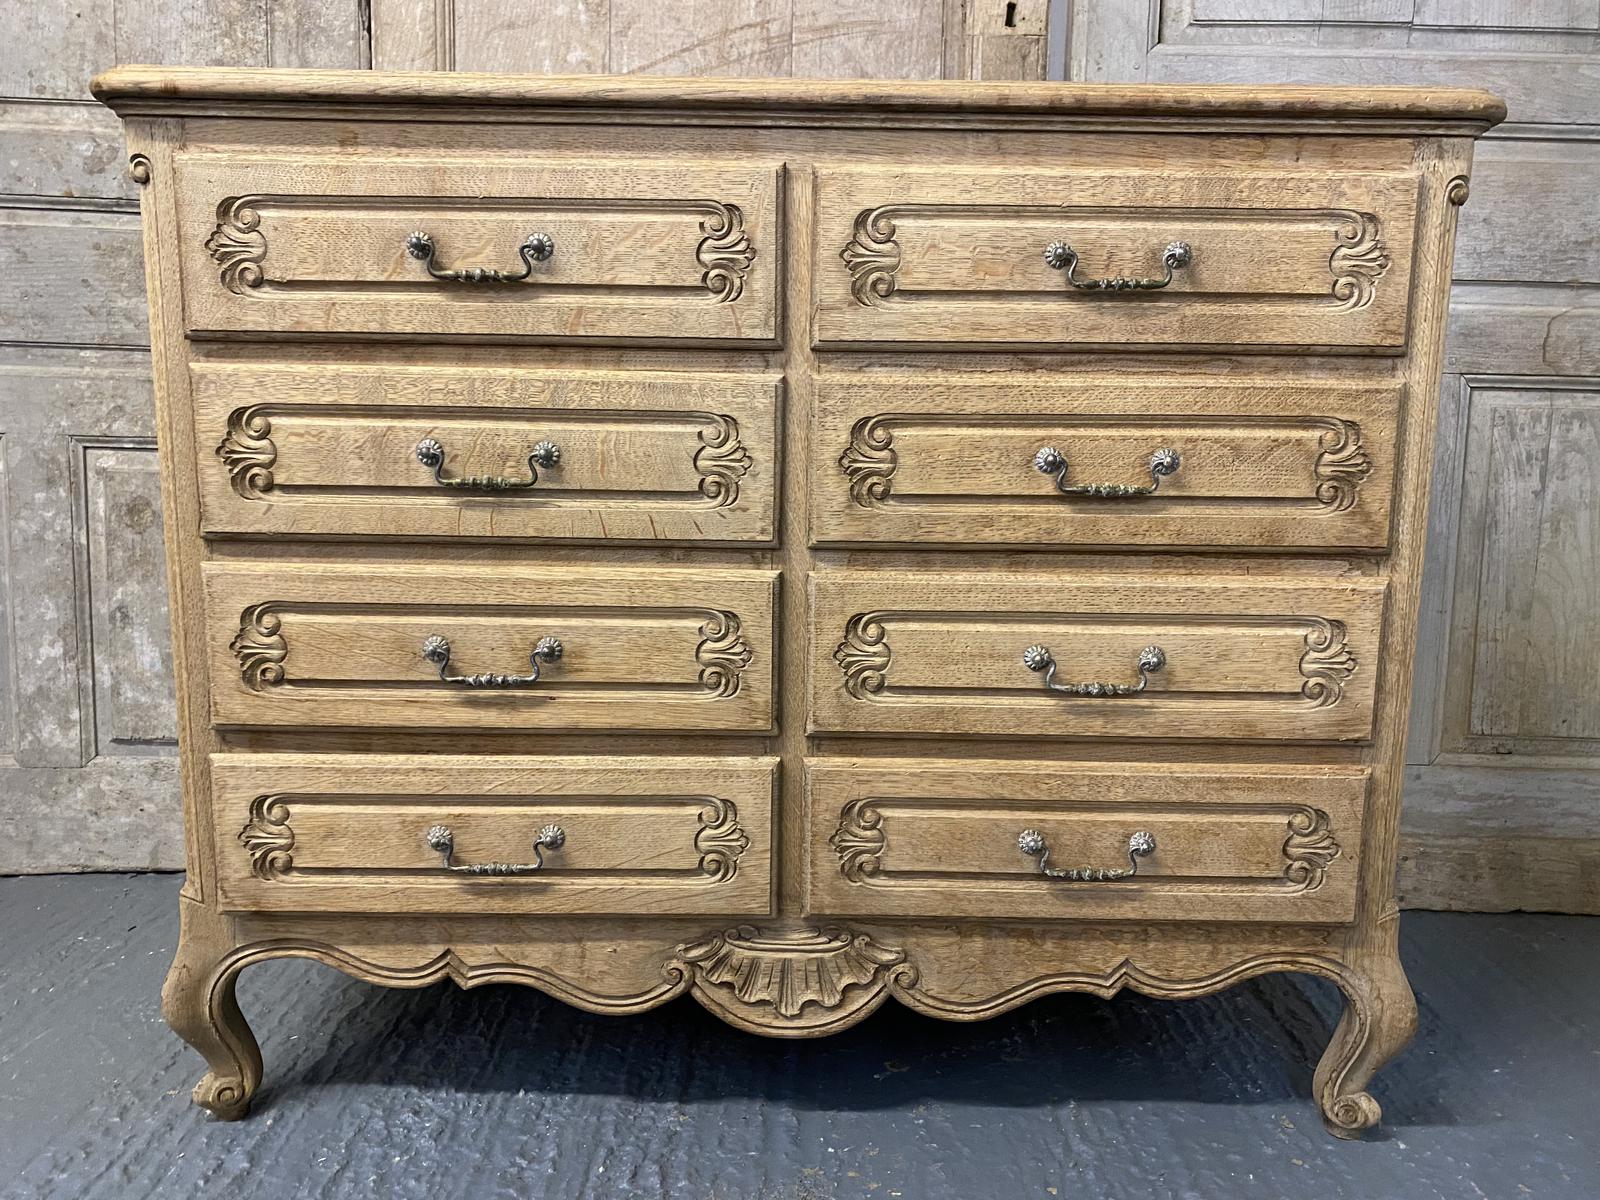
{"x": 794, "y": 544}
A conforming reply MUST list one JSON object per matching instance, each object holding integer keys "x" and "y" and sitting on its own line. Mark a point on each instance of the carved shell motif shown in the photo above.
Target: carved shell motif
{"x": 1358, "y": 261}
{"x": 863, "y": 656}
{"x": 859, "y": 840}
{"x": 267, "y": 837}
{"x": 238, "y": 245}
{"x": 1310, "y": 847}
{"x": 868, "y": 462}
{"x": 1342, "y": 465}
{"x": 791, "y": 969}
{"x": 260, "y": 647}
{"x": 720, "y": 839}
{"x": 721, "y": 461}
{"x": 247, "y": 451}
{"x": 872, "y": 256}
{"x": 724, "y": 253}
{"x": 723, "y": 654}
{"x": 1326, "y": 663}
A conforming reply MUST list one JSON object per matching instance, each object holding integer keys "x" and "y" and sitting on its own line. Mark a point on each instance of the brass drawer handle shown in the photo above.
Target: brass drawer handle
{"x": 430, "y": 453}
{"x": 441, "y": 839}
{"x": 1039, "y": 658}
{"x": 436, "y": 649}
{"x": 536, "y": 247}
{"x": 1064, "y": 258}
{"x": 1050, "y": 461}
{"x": 1031, "y": 842}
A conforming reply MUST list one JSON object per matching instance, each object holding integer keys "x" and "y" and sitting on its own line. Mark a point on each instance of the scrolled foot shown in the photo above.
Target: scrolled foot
{"x": 225, "y": 1098}
{"x": 198, "y": 1003}
{"x": 1380, "y": 1017}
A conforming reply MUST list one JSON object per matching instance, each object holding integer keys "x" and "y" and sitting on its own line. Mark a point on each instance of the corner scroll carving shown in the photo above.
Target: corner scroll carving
{"x": 720, "y": 840}
{"x": 1309, "y": 848}
{"x": 721, "y": 461}
{"x": 238, "y": 245}
{"x": 1358, "y": 261}
{"x": 872, "y": 256}
{"x": 267, "y": 838}
{"x": 833, "y": 972}
{"x": 859, "y": 840}
{"x": 724, "y": 253}
{"x": 1342, "y": 465}
{"x": 864, "y": 655}
{"x": 260, "y": 647}
{"x": 1326, "y": 663}
{"x": 869, "y": 461}
{"x": 723, "y": 654}
{"x": 248, "y": 452}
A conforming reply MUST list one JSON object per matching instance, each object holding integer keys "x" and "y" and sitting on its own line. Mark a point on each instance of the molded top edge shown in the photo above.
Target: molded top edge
{"x": 198, "y": 90}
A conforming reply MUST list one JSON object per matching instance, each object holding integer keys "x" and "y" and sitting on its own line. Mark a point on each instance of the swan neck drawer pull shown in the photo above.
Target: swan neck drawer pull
{"x": 1039, "y": 658}
{"x": 1050, "y": 461}
{"x": 1063, "y": 257}
{"x": 1031, "y": 842}
{"x": 441, "y": 839}
{"x": 436, "y": 649}
{"x": 430, "y": 453}
{"x": 536, "y": 247}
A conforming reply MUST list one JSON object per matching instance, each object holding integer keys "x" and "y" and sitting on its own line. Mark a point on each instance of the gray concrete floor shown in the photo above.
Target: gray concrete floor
{"x": 500, "y": 1092}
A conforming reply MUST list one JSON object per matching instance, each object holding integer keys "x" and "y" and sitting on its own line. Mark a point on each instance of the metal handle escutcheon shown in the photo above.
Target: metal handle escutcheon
{"x": 436, "y": 649}
{"x": 1039, "y": 658}
{"x": 430, "y": 453}
{"x": 1050, "y": 461}
{"x": 536, "y": 247}
{"x": 1031, "y": 842}
{"x": 551, "y": 837}
{"x": 1063, "y": 257}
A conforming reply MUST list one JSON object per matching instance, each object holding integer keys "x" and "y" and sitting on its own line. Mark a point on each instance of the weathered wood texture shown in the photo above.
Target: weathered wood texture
{"x": 1506, "y": 686}
{"x": 87, "y": 728}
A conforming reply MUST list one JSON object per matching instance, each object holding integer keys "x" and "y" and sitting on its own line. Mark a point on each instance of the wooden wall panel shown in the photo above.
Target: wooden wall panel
{"x": 1508, "y": 700}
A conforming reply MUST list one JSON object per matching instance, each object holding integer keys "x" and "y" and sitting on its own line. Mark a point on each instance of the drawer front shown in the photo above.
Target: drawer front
{"x": 339, "y": 449}
{"x": 323, "y": 245}
{"x": 945, "y": 839}
{"x": 938, "y": 254}
{"x": 316, "y": 644}
{"x": 362, "y": 833}
{"x": 971, "y": 653}
{"x": 1251, "y": 464}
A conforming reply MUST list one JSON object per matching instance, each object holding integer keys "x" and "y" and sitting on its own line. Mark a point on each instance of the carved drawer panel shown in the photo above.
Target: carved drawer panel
{"x": 1103, "y": 461}
{"x": 1164, "y": 842}
{"x": 529, "y": 248}
{"x": 491, "y": 834}
{"x": 1009, "y": 256}
{"x": 1118, "y": 656}
{"x": 485, "y": 452}
{"x": 452, "y": 645}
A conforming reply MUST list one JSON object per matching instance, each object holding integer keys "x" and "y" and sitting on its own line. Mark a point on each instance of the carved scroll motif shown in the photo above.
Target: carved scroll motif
{"x": 1358, "y": 261}
{"x": 248, "y": 452}
{"x": 1309, "y": 848}
{"x": 1342, "y": 465}
{"x": 872, "y": 256}
{"x": 1326, "y": 663}
{"x": 267, "y": 837}
{"x": 863, "y": 656}
{"x": 868, "y": 462}
{"x": 723, "y": 654}
{"x": 260, "y": 647}
{"x": 720, "y": 840}
{"x": 721, "y": 461}
{"x": 237, "y": 244}
{"x": 724, "y": 253}
{"x": 859, "y": 840}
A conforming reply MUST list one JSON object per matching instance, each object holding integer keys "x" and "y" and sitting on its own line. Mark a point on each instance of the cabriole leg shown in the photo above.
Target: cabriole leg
{"x": 198, "y": 1003}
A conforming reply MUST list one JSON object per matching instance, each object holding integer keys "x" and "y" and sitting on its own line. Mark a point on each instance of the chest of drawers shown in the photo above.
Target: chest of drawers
{"x": 797, "y": 545}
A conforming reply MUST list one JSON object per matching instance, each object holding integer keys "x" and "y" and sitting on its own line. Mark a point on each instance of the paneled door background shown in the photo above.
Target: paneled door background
{"x": 88, "y": 780}
{"x": 1504, "y": 791}
{"x": 1502, "y": 806}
